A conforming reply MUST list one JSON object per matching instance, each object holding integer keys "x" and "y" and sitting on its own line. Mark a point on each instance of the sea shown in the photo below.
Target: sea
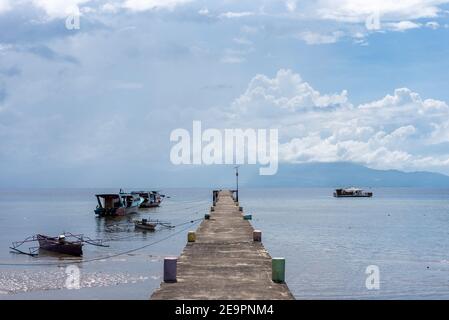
{"x": 392, "y": 246}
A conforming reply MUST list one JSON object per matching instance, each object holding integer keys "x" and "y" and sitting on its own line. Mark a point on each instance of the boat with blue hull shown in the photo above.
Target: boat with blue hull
{"x": 117, "y": 204}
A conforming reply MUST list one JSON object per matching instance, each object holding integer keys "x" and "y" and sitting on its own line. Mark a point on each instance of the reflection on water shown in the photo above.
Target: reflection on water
{"x": 13, "y": 282}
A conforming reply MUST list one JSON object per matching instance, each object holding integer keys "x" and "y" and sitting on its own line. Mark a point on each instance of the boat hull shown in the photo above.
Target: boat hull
{"x": 353, "y": 196}
{"x": 147, "y": 205}
{"x": 146, "y": 227}
{"x": 52, "y": 244}
{"x": 116, "y": 212}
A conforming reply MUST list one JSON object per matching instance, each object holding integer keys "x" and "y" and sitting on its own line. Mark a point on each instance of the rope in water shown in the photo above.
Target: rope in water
{"x": 100, "y": 258}
{"x": 138, "y": 235}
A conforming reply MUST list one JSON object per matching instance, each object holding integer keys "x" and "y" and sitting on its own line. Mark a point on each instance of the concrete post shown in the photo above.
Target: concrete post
{"x": 191, "y": 236}
{"x": 278, "y": 270}
{"x": 170, "y": 269}
{"x": 257, "y": 236}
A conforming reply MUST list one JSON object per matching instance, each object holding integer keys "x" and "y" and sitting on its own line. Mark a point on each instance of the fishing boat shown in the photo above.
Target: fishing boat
{"x": 151, "y": 199}
{"x": 60, "y": 245}
{"x": 352, "y": 193}
{"x": 144, "y": 224}
{"x": 67, "y": 243}
{"x": 117, "y": 204}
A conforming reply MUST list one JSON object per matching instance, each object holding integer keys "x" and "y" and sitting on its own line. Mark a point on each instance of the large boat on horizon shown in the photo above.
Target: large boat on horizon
{"x": 352, "y": 193}
{"x": 117, "y": 204}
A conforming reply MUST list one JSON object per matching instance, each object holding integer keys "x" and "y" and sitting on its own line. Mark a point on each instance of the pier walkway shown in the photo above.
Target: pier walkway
{"x": 224, "y": 262}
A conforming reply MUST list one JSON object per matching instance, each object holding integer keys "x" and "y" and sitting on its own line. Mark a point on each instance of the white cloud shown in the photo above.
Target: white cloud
{"x": 203, "y": 12}
{"x": 231, "y": 15}
{"x": 233, "y": 56}
{"x": 402, "y": 25}
{"x": 143, "y": 5}
{"x": 5, "y": 5}
{"x": 359, "y": 10}
{"x": 242, "y": 41}
{"x": 110, "y": 7}
{"x": 290, "y": 5}
{"x": 317, "y": 38}
{"x": 249, "y": 29}
{"x": 59, "y": 9}
{"x": 432, "y": 25}
{"x": 390, "y": 133}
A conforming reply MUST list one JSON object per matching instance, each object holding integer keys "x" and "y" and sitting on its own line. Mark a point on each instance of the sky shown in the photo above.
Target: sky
{"x": 95, "y": 106}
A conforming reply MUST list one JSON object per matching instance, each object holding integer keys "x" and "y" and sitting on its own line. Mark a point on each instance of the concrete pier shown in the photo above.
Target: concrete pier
{"x": 224, "y": 262}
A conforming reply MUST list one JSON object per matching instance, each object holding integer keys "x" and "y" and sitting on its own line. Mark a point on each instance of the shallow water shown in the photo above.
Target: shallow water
{"x": 328, "y": 243}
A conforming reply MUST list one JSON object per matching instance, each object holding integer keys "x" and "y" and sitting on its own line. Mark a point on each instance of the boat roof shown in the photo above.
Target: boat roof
{"x": 135, "y": 192}
{"x": 114, "y": 195}
{"x": 353, "y": 189}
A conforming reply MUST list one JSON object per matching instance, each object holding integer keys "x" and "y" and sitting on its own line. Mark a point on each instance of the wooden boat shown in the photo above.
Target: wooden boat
{"x": 145, "y": 225}
{"x": 60, "y": 245}
{"x": 151, "y": 199}
{"x": 352, "y": 193}
{"x": 117, "y": 204}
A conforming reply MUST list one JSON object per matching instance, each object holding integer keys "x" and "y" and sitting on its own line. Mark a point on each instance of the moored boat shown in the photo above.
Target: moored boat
{"x": 352, "y": 193}
{"x": 151, "y": 199}
{"x": 145, "y": 225}
{"x": 60, "y": 245}
{"x": 117, "y": 204}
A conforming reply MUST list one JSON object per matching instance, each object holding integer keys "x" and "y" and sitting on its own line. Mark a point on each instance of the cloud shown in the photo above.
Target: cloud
{"x": 59, "y": 9}
{"x": 5, "y": 5}
{"x": 290, "y": 5}
{"x": 46, "y": 52}
{"x": 402, "y": 25}
{"x": 389, "y": 133}
{"x": 317, "y": 38}
{"x": 359, "y": 10}
{"x": 231, "y": 15}
{"x": 433, "y": 25}
{"x": 233, "y": 56}
{"x": 144, "y": 5}
{"x": 242, "y": 41}
{"x": 203, "y": 12}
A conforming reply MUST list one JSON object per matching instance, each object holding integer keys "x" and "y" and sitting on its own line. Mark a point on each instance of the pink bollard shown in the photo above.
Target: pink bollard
{"x": 170, "y": 269}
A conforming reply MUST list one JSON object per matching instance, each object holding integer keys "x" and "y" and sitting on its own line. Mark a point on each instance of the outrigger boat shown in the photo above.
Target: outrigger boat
{"x": 59, "y": 244}
{"x": 117, "y": 204}
{"x": 151, "y": 199}
{"x": 145, "y": 225}
{"x": 150, "y": 225}
{"x": 352, "y": 193}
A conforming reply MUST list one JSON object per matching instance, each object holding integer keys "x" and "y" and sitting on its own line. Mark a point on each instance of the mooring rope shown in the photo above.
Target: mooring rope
{"x": 138, "y": 235}
{"x": 99, "y": 258}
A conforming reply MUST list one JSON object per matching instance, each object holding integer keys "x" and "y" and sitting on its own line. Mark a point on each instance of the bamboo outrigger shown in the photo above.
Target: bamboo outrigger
{"x": 60, "y": 244}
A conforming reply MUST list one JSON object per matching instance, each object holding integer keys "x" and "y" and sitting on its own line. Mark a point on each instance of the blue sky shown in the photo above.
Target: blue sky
{"x": 95, "y": 106}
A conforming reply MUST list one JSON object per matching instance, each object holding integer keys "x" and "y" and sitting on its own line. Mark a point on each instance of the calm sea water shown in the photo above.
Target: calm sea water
{"x": 328, "y": 243}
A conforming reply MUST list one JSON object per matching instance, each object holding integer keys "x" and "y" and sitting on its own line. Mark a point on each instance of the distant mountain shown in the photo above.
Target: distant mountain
{"x": 345, "y": 174}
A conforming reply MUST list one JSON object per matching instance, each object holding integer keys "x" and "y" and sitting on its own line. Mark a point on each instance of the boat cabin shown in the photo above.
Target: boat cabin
{"x": 116, "y": 203}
